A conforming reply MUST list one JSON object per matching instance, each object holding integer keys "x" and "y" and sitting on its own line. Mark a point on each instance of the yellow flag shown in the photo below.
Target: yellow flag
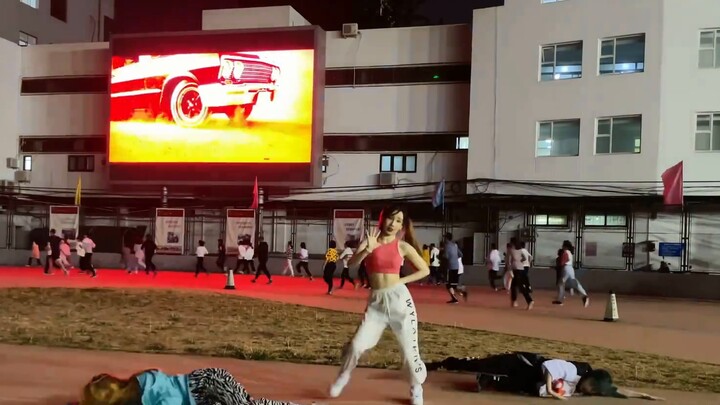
{"x": 78, "y": 191}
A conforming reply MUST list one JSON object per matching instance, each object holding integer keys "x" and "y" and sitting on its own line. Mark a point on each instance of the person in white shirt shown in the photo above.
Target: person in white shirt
{"x": 303, "y": 263}
{"x": 87, "y": 245}
{"x": 493, "y": 265}
{"x": 201, "y": 252}
{"x": 519, "y": 281}
{"x": 288, "y": 260}
{"x": 65, "y": 256}
{"x": 345, "y": 256}
{"x": 527, "y": 262}
{"x": 435, "y": 265}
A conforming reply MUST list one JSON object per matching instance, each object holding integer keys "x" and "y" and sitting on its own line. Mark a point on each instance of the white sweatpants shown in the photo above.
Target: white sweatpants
{"x": 392, "y": 307}
{"x": 288, "y": 268}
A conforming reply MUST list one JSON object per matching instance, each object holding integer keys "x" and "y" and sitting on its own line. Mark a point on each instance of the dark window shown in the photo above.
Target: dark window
{"x": 396, "y": 142}
{"x": 81, "y": 163}
{"x": 78, "y": 84}
{"x": 108, "y": 28}
{"x": 397, "y": 75}
{"x": 70, "y": 144}
{"x": 27, "y": 163}
{"x": 25, "y": 39}
{"x": 58, "y": 9}
{"x": 398, "y": 163}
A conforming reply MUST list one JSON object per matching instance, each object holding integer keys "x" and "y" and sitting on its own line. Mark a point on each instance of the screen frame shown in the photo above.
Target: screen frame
{"x": 254, "y": 40}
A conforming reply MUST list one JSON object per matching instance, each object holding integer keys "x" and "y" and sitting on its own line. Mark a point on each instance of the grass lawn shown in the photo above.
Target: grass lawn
{"x": 222, "y": 325}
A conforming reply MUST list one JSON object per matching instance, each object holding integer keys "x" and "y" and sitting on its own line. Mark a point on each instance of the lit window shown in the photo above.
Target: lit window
{"x": 558, "y": 138}
{"x": 707, "y": 132}
{"x": 31, "y": 3}
{"x": 550, "y": 1}
{"x": 551, "y": 220}
{"x": 27, "y": 163}
{"x": 618, "y": 135}
{"x": 561, "y": 61}
{"x": 622, "y": 55}
{"x": 25, "y": 39}
{"x": 462, "y": 142}
{"x": 709, "y": 54}
{"x": 605, "y": 220}
{"x": 398, "y": 163}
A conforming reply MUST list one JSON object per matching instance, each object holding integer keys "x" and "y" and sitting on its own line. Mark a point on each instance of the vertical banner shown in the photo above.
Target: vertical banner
{"x": 348, "y": 226}
{"x": 240, "y": 225}
{"x": 65, "y": 221}
{"x": 170, "y": 230}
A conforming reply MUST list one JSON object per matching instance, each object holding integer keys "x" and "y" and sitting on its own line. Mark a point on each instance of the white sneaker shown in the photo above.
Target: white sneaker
{"x": 339, "y": 384}
{"x": 416, "y": 395}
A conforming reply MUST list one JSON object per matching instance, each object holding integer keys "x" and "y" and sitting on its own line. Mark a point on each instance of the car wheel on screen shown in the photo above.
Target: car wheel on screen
{"x": 186, "y": 106}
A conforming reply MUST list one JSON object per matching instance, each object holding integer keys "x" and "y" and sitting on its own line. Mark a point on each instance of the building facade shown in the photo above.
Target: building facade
{"x": 31, "y": 22}
{"x": 549, "y": 120}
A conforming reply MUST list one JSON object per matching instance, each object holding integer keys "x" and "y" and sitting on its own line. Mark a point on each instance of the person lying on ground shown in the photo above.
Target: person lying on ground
{"x": 533, "y": 374}
{"x": 209, "y": 386}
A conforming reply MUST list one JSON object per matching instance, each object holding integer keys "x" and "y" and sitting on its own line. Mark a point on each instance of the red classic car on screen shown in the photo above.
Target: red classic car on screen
{"x": 188, "y": 88}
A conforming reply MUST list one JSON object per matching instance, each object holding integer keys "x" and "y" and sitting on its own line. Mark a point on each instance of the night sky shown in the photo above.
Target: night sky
{"x": 134, "y": 16}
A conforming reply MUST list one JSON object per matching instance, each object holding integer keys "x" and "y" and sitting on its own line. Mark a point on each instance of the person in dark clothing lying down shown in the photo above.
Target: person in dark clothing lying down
{"x": 533, "y": 374}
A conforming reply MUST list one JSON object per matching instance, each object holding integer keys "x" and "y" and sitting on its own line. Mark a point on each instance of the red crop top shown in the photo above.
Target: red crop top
{"x": 385, "y": 259}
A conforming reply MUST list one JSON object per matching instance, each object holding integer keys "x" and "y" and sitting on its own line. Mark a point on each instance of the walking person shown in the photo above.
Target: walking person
{"x": 220, "y": 262}
{"x": 508, "y": 274}
{"x": 345, "y": 256}
{"x": 288, "y": 260}
{"x": 331, "y": 258}
{"x": 201, "y": 251}
{"x": 87, "y": 245}
{"x": 65, "y": 255}
{"x": 149, "y": 247}
{"x": 304, "y": 256}
{"x": 263, "y": 254}
{"x": 527, "y": 263}
{"x": 34, "y": 255}
{"x": 48, "y": 260}
{"x": 493, "y": 265}
{"x": 453, "y": 255}
{"x": 363, "y": 277}
{"x": 435, "y": 264}
{"x": 568, "y": 276}
{"x": 519, "y": 280}
{"x": 390, "y": 302}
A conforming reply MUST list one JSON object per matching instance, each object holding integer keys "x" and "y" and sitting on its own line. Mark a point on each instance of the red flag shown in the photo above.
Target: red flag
{"x": 672, "y": 180}
{"x": 255, "y": 204}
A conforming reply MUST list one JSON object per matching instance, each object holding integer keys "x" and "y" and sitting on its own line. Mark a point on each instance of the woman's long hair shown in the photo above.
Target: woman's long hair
{"x": 408, "y": 229}
{"x": 568, "y": 246}
{"x": 105, "y": 389}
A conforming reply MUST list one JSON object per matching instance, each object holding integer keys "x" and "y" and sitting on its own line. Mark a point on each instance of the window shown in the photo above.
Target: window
{"x": 462, "y": 142}
{"x": 551, "y": 220}
{"x": 31, "y": 3}
{"x": 81, "y": 163}
{"x": 378, "y": 76}
{"x": 622, "y": 55}
{"x": 618, "y": 135}
{"x": 27, "y": 163}
{"x": 561, "y": 61}
{"x": 65, "y": 85}
{"x": 58, "y": 9}
{"x": 709, "y": 49}
{"x": 707, "y": 132}
{"x": 558, "y": 138}
{"x": 605, "y": 220}
{"x": 395, "y": 142}
{"x": 550, "y": 1}
{"x": 25, "y": 39}
{"x": 63, "y": 144}
{"x": 398, "y": 163}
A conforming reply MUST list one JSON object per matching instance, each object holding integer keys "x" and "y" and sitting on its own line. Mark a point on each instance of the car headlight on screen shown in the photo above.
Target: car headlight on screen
{"x": 226, "y": 69}
{"x": 238, "y": 70}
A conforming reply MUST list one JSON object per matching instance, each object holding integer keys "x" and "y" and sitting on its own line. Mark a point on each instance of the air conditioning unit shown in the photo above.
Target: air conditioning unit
{"x": 12, "y": 163}
{"x": 22, "y": 176}
{"x": 8, "y": 186}
{"x": 387, "y": 179}
{"x": 350, "y": 30}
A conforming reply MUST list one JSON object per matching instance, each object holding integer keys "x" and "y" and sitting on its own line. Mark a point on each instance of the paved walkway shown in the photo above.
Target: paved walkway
{"x": 40, "y": 376}
{"x": 676, "y": 328}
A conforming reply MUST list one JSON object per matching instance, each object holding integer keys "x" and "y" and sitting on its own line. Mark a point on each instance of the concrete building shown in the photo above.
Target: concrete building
{"x": 31, "y": 22}
{"x": 550, "y": 120}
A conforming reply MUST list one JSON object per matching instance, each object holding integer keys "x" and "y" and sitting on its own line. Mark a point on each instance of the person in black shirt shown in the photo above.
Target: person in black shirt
{"x": 263, "y": 254}
{"x": 54, "y": 241}
{"x": 221, "y": 255}
{"x": 149, "y": 248}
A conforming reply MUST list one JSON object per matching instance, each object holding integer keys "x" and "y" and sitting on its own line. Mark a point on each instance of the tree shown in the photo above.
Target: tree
{"x": 389, "y": 13}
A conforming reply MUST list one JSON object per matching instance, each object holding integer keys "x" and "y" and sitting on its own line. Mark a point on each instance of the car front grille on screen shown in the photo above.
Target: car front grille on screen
{"x": 256, "y": 73}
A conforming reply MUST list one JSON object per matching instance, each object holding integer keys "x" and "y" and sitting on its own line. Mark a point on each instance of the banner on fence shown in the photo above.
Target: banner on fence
{"x": 170, "y": 230}
{"x": 240, "y": 225}
{"x": 65, "y": 221}
{"x": 348, "y": 226}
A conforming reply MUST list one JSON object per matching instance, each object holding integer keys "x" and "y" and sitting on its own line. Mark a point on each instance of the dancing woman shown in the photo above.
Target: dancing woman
{"x": 390, "y": 302}
{"x": 208, "y": 386}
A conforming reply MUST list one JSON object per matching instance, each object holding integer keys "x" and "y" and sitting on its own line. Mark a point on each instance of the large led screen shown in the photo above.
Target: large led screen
{"x": 215, "y": 107}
